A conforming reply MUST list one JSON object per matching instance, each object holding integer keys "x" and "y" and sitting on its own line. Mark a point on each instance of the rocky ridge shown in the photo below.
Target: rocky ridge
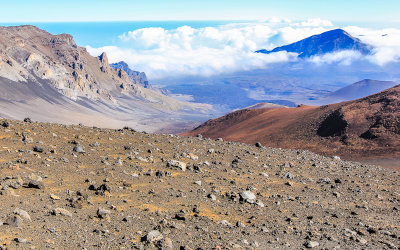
{"x": 79, "y": 187}
{"x": 135, "y": 76}
{"x": 35, "y": 64}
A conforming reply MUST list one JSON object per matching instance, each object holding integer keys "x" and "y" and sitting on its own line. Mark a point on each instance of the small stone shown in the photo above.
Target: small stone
{"x": 61, "y": 211}
{"x": 167, "y": 245}
{"x": 265, "y": 175}
{"x": 38, "y": 149}
{"x": 212, "y": 197}
{"x": 14, "y": 221}
{"x": 362, "y": 241}
{"x": 20, "y": 240}
{"x": 288, "y": 175}
{"x": 248, "y": 196}
{"x": 225, "y": 223}
{"x": 258, "y": 145}
{"x": 325, "y": 180}
{"x": 193, "y": 156}
{"x": 79, "y": 149}
{"x": 54, "y": 197}
{"x": 24, "y": 215}
{"x": 198, "y": 183}
{"x": 5, "y": 124}
{"x": 36, "y": 184}
{"x": 180, "y": 216}
{"x": 103, "y": 213}
{"x": 152, "y": 236}
{"x": 177, "y": 164}
{"x": 240, "y": 224}
{"x": 312, "y": 244}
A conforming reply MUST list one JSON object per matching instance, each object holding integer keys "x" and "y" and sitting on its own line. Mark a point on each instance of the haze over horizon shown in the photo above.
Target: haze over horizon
{"x": 123, "y": 10}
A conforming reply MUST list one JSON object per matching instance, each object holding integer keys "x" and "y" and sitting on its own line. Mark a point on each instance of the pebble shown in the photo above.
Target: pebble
{"x": 24, "y": 215}
{"x": 61, "y": 211}
{"x": 14, "y": 221}
{"x": 154, "y": 235}
{"x": 177, "y": 164}
{"x": 248, "y": 196}
{"x": 312, "y": 244}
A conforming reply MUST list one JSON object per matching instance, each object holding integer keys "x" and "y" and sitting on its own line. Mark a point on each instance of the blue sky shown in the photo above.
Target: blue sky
{"x": 125, "y": 10}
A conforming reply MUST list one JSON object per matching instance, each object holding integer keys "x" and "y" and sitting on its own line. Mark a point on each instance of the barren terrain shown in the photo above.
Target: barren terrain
{"x": 80, "y": 187}
{"x": 366, "y": 129}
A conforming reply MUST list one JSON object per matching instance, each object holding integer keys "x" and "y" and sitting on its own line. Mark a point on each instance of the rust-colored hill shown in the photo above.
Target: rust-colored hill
{"x": 365, "y": 129}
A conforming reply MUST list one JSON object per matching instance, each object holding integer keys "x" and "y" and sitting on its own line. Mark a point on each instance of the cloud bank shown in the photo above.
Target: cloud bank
{"x": 228, "y": 48}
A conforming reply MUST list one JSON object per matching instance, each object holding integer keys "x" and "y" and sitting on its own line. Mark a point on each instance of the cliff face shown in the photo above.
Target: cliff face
{"x": 38, "y": 69}
{"x": 28, "y": 53}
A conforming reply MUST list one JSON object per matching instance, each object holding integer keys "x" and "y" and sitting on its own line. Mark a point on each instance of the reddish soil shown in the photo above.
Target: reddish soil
{"x": 366, "y": 129}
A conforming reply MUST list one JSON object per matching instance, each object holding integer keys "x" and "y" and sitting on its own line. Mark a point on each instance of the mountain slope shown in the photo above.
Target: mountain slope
{"x": 360, "y": 89}
{"x": 359, "y": 129}
{"x": 50, "y": 78}
{"x": 327, "y": 42}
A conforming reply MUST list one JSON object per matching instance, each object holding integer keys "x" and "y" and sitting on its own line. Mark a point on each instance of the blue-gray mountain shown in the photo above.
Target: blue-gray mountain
{"x": 135, "y": 76}
{"x": 359, "y": 90}
{"x": 327, "y": 42}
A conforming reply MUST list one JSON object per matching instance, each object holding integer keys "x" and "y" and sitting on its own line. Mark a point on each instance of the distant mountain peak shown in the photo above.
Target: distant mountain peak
{"x": 327, "y": 42}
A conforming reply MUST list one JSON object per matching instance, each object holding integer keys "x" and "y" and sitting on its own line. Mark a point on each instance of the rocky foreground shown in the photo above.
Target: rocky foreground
{"x": 78, "y": 187}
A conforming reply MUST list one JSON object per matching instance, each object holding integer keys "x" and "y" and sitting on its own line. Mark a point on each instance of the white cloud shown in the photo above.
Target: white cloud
{"x": 212, "y": 50}
{"x": 345, "y": 58}
{"x": 385, "y": 41}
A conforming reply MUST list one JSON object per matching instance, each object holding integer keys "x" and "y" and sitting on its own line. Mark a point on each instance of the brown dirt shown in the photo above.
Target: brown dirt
{"x": 301, "y": 199}
{"x": 364, "y": 129}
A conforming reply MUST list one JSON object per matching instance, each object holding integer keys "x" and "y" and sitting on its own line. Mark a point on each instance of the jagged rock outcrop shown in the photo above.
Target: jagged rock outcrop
{"x": 28, "y": 53}
{"x": 135, "y": 76}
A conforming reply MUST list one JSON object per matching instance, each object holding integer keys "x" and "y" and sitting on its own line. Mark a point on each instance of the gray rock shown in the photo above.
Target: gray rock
{"x": 167, "y": 244}
{"x": 248, "y": 196}
{"x": 38, "y": 149}
{"x": 103, "y": 213}
{"x": 36, "y": 184}
{"x": 325, "y": 180}
{"x": 154, "y": 235}
{"x": 79, "y": 149}
{"x": 14, "y": 221}
{"x": 288, "y": 175}
{"x": 212, "y": 197}
{"x": 24, "y": 215}
{"x": 225, "y": 223}
{"x": 311, "y": 244}
{"x": 20, "y": 240}
{"x": 177, "y": 164}
{"x": 61, "y": 211}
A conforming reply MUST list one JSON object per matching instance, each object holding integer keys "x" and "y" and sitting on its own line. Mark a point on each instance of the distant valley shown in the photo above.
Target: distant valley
{"x": 304, "y": 81}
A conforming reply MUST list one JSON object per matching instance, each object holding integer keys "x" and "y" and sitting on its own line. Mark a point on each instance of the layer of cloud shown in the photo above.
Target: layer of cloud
{"x": 213, "y": 50}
